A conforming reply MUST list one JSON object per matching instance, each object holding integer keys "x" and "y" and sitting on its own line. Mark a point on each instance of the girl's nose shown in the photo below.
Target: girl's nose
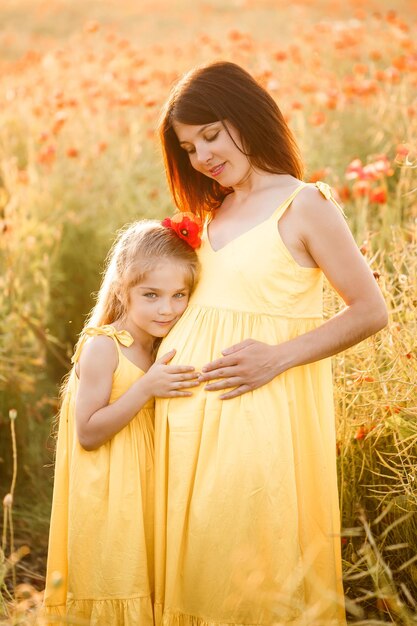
{"x": 165, "y": 307}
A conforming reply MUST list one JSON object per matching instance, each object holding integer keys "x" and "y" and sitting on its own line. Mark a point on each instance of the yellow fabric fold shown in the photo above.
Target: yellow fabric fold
{"x": 129, "y": 611}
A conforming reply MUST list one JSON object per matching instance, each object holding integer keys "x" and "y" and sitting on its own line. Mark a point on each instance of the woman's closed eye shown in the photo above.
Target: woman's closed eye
{"x": 212, "y": 137}
{"x": 208, "y": 138}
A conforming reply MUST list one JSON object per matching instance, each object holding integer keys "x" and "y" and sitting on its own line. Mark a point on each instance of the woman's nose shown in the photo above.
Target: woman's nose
{"x": 203, "y": 154}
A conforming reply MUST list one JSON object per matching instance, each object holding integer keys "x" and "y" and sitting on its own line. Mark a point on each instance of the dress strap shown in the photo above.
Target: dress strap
{"x": 119, "y": 336}
{"x": 284, "y": 206}
{"x": 324, "y": 189}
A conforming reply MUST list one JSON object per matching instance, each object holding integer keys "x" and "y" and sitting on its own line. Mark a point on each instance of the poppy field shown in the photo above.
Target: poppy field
{"x": 81, "y": 89}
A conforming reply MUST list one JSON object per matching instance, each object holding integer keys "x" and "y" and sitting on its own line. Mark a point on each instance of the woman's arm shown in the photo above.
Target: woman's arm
{"x": 97, "y": 421}
{"x": 329, "y": 242}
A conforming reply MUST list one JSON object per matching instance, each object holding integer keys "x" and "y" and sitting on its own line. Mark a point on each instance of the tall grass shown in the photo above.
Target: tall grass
{"x": 80, "y": 97}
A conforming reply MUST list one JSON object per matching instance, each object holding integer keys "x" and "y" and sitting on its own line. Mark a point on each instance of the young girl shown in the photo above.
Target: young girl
{"x": 100, "y": 561}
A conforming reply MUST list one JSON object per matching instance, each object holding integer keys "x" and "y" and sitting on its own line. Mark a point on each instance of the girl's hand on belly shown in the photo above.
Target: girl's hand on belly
{"x": 245, "y": 366}
{"x": 169, "y": 381}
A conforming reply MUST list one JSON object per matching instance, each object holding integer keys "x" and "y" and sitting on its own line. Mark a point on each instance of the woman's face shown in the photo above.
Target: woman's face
{"x": 215, "y": 151}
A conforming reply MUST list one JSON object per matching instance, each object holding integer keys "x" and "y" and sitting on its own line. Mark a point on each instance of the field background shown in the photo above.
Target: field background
{"x": 81, "y": 86}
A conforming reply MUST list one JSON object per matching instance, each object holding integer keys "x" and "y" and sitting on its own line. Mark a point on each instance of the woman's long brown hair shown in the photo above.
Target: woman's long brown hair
{"x": 217, "y": 92}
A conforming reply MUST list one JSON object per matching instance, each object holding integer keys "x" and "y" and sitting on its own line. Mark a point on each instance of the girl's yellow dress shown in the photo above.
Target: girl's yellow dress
{"x": 100, "y": 561}
{"x": 247, "y": 515}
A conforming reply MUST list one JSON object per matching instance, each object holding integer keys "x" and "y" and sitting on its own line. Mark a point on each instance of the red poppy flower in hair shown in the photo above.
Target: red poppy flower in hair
{"x": 187, "y": 226}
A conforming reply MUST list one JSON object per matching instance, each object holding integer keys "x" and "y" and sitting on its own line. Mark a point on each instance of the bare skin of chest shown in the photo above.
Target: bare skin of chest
{"x": 236, "y": 218}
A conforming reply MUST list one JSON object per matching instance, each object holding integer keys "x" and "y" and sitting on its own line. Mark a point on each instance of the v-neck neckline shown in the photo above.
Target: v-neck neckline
{"x": 246, "y": 232}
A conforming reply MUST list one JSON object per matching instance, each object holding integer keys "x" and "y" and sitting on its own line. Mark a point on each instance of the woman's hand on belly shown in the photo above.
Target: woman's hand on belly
{"x": 245, "y": 366}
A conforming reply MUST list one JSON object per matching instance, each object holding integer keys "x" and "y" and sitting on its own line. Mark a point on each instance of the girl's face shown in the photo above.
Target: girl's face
{"x": 215, "y": 151}
{"x": 156, "y": 304}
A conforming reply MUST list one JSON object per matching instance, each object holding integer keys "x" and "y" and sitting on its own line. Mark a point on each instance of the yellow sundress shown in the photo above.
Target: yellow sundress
{"x": 100, "y": 560}
{"x": 247, "y": 514}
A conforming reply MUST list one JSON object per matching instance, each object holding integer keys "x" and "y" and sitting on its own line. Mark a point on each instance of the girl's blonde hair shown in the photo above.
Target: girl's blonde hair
{"x": 138, "y": 248}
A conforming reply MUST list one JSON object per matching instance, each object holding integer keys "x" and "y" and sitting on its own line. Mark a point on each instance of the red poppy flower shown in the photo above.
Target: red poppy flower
{"x": 354, "y": 169}
{"x": 361, "y": 433}
{"x": 378, "y": 195}
{"x": 187, "y": 226}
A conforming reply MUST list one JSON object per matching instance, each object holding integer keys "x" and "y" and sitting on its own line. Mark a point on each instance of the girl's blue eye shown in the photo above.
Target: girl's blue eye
{"x": 150, "y": 295}
{"x": 180, "y": 295}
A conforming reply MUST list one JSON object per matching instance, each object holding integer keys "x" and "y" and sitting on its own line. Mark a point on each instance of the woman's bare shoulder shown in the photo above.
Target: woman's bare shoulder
{"x": 316, "y": 204}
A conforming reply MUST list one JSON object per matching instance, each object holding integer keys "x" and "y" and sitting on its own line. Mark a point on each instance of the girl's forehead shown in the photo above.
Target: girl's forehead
{"x": 162, "y": 270}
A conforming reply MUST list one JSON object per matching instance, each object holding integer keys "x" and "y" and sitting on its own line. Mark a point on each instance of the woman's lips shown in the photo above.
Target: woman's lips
{"x": 215, "y": 171}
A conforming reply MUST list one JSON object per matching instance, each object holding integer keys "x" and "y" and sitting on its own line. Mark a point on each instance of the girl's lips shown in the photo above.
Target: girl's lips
{"x": 215, "y": 171}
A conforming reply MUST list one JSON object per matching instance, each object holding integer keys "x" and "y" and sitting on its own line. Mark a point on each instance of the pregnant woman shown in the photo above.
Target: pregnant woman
{"x": 248, "y": 528}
